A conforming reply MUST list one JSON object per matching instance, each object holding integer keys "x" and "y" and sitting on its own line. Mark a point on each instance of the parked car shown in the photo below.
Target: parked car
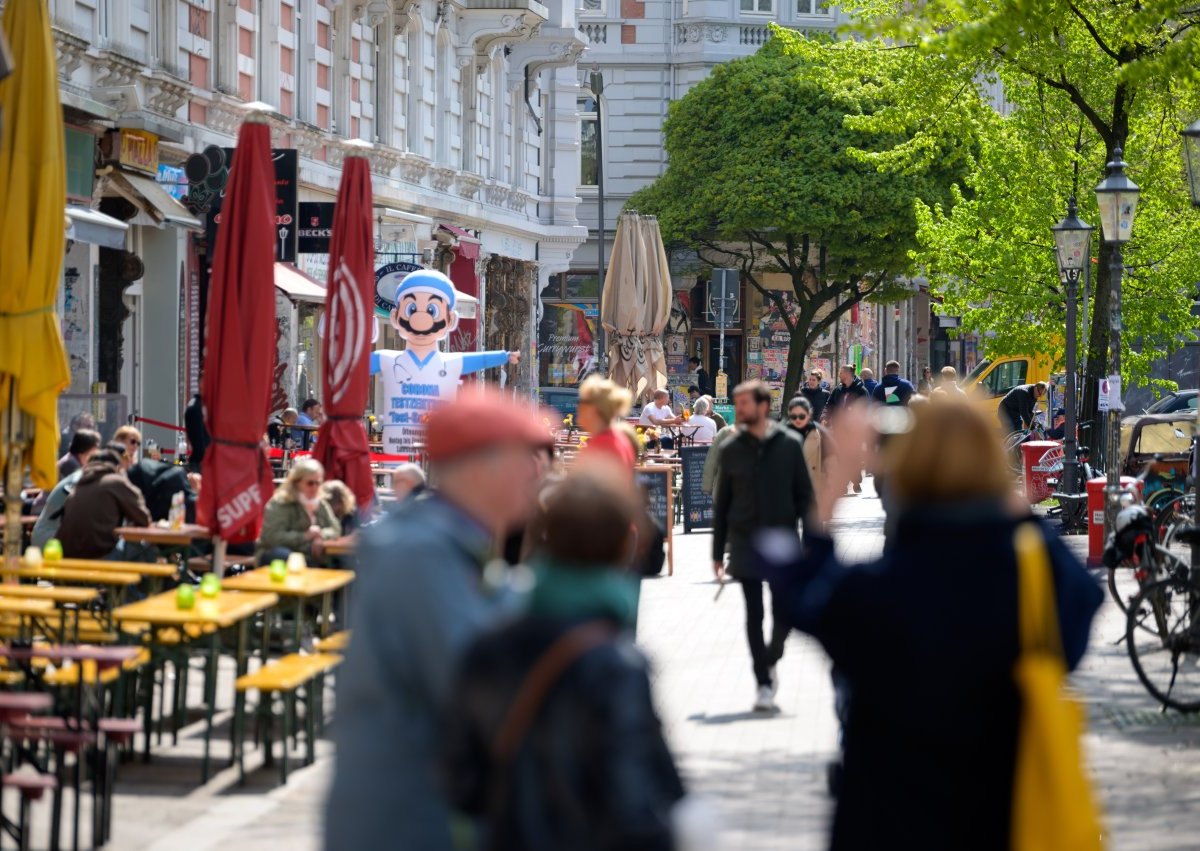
{"x": 1181, "y": 400}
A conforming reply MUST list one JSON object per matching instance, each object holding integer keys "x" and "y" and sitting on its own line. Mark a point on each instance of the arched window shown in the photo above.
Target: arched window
{"x": 499, "y": 149}
{"x": 589, "y": 140}
{"x": 445, "y": 104}
{"x": 415, "y": 59}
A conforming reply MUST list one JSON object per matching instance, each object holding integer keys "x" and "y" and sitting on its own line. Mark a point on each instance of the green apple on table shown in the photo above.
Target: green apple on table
{"x": 210, "y": 585}
{"x": 185, "y": 597}
{"x": 53, "y": 550}
{"x": 278, "y": 570}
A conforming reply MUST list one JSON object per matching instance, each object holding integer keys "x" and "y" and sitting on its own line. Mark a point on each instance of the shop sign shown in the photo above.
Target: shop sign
{"x": 315, "y": 227}
{"x": 287, "y": 168}
{"x": 507, "y": 245}
{"x": 387, "y": 278}
{"x": 135, "y": 150}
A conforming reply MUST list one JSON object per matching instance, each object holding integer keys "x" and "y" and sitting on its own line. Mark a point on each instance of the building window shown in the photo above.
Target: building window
{"x": 809, "y": 7}
{"x": 589, "y": 141}
{"x": 592, "y": 8}
{"x": 759, "y": 7}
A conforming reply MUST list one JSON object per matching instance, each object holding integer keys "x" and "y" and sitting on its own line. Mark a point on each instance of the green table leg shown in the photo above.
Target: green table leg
{"x": 239, "y": 697}
{"x": 210, "y": 699}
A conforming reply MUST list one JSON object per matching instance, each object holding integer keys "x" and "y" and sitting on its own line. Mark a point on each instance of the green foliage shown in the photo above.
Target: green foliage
{"x": 1079, "y": 79}
{"x": 795, "y": 160}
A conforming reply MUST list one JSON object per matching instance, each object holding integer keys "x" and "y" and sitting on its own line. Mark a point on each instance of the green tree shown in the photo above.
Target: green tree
{"x": 1080, "y": 79}
{"x": 769, "y": 170}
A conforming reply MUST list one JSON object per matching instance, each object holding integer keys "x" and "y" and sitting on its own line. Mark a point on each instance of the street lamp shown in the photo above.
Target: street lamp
{"x": 1191, "y": 152}
{"x": 596, "y": 84}
{"x": 1072, "y": 243}
{"x": 1117, "y": 197}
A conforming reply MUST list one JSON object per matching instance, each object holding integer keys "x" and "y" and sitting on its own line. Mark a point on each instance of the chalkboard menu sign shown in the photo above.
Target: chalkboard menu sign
{"x": 656, "y": 483}
{"x": 697, "y": 505}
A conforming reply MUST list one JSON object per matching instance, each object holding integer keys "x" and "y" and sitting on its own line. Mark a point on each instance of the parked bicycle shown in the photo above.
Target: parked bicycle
{"x": 1014, "y": 439}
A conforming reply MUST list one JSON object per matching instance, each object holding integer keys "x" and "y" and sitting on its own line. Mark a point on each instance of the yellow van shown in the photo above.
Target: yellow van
{"x": 992, "y": 378}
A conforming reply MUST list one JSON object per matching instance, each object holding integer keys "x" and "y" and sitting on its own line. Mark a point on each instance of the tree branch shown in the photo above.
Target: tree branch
{"x": 1092, "y": 30}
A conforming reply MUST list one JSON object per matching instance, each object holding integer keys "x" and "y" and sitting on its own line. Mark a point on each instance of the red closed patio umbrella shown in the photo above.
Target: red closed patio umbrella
{"x": 239, "y": 353}
{"x": 345, "y": 361}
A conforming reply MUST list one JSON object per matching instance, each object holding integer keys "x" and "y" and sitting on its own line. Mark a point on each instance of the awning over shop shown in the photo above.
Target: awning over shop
{"x": 152, "y": 199}
{"x": 468, "y": 245}
{"x": 298, "y": 286}
{"x": 92, "y": 226}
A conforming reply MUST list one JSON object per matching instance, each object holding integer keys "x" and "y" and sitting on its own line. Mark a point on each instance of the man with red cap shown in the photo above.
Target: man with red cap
{"x": 419, "y": 601}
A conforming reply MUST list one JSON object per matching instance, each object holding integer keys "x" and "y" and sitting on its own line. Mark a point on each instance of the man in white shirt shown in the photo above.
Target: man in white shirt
{"x": 658, "y": 413}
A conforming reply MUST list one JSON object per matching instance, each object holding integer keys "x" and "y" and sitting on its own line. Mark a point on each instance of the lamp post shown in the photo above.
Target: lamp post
{"x": 596, "y": 84}
{"x": 1072, "y": 243}
{"x": 1117, "y": 197}
{"x": 1191, "y": 153}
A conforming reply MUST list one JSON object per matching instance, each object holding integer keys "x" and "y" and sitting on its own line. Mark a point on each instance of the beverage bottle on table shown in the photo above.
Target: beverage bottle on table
{"x": 181, "y": 449}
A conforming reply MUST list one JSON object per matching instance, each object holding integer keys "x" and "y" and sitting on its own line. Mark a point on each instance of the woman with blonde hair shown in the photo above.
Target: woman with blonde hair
{"x": 296, "y": 518}
{"x": 602, "y": 403}
{"x": 933, "y": 622}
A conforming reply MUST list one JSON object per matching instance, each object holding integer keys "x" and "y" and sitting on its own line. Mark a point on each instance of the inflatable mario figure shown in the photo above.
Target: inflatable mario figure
{"x": 420, "y": 376}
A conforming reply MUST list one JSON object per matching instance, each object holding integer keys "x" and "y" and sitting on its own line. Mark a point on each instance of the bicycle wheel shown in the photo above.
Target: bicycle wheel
{"x": 1177, "y": 513}
{"x": 1126, "y": 582}
{"x": 1168, "y": 664}
{"x": 1012, "y": 448}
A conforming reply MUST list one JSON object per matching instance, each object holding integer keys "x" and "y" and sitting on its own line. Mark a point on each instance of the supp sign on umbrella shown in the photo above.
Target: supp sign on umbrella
{"x": 33, "y": 362}
{"x": 239, "y": 356}
{"x": 342, "y": 441}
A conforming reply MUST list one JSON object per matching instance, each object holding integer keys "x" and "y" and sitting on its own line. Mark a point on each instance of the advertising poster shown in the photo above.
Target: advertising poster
{"x": 566, "y": 344}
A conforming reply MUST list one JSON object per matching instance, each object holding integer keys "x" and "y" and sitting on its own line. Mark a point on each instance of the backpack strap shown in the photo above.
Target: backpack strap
{"x": 542, "y": 677}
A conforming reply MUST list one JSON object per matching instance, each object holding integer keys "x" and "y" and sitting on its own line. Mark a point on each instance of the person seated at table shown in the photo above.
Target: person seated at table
{"x": 311, "y": 416}
{"x": 103, "y": 500}
{"x": 341, "y": 500}
{"x": 159, "y": 482}
{"x": 52, "y": 511}
{"x": 408, "y": 481}
{"x": 701, "y": 428}
{"x": 84, "y": 444}
{"x": 712, "y": 412}
{"x": 296, "y": 518}
{"x": 602, "y": 404}
{"x": 131, "y": 439}
{"x": 83, "y": 419}
{"x": 659, "y": 413}
{"x": 279, "y": 431}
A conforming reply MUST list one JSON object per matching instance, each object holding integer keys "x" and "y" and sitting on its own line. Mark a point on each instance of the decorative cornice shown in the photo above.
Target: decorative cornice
{"x": 552, "y": 47}
{"x": 114, "y": 69}
{"x": 483, "y": 31}
{"x": 468, "y": 184}
{"x": 443, "y": 178}
{"x": 495, "y": 193}
{"x": 413, "y": 167}
{"x": 384, "y": 160}
{"x": 165, "y": 93}
{"x": 71, "y": 50}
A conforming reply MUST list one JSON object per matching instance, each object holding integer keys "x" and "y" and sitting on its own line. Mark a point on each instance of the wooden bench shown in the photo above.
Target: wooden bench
{"x": 284, "y": 677}
{"x": 335, "y": 643}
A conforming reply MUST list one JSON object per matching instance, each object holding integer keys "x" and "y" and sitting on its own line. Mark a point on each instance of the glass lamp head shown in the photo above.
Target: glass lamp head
{"x": 1117, "y": 197}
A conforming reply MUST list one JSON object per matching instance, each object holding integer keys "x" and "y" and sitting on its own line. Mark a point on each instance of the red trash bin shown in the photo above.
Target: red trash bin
{"x": 1095, "y": 510}
{"x": 1041, "y": 460}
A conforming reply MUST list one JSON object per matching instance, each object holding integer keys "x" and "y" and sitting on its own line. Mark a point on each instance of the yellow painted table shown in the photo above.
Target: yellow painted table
{"x": 25, "y": 612}
{"x": 64, "y": 599}
{"x": 141, "y": 568}
{"x": 300, "y": 586}
{"x": 111, "y": 578}
{"x": 341, "y": 546}
{"x": 164, "y": 537}
{"x": 228, "y": 609}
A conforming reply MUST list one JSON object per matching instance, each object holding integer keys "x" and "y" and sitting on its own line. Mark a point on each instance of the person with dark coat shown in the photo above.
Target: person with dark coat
{"x": 1017, "y": 407}
{"x": 159, "y": 482}
{"x": 762, "y": 483}
{"x": 103, "y": 500}
{"x": 902, "y": 762}
{"x": 893, "y": 390}
{"x": 850, "y": 389}
{"x": 816, "y": 395}
{"x": 84, "y": 444}
{"x": 583, "y": 764}
{"x": 701, "y": 378}
{"x": 197, "y": 433}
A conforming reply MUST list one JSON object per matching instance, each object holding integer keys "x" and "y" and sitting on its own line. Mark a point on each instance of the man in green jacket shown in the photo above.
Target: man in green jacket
{"x": 762, "y": 483}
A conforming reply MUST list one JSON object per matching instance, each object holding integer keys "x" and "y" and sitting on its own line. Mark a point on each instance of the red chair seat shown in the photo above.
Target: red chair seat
{"x": 120, "y": 730}
{"x": 32, "y": 786}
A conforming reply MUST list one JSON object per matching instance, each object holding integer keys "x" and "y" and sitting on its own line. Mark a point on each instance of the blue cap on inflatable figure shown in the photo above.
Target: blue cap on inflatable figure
{"x": 427, "y": 281}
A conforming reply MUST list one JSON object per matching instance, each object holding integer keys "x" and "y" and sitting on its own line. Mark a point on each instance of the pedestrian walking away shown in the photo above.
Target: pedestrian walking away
{"x": 1017, "y": 407}
{"x": 420, "y": 601}
{"x": 868, "y": 378}
{"x": 762, "y": 483}
{"x": 931, "y": 714}
{"x": 893, "y": 390}
{"x": 569, "y": 756}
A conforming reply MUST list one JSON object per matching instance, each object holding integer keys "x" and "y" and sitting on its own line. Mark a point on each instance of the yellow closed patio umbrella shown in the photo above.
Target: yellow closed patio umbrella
{"x": 33, "y": 363}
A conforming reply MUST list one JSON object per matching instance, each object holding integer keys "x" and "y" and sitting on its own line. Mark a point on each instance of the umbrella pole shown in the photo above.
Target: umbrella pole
{"x": 219, "y": 557}
{"x": 14, "y": 439}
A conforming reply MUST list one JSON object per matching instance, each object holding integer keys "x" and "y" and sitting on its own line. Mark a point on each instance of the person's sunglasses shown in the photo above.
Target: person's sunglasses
{"x": 799, "y": 417}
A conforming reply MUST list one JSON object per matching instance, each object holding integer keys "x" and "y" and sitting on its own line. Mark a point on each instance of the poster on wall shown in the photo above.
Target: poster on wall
{"x": 566, "y": 344}
{"x": 773, "y": 340}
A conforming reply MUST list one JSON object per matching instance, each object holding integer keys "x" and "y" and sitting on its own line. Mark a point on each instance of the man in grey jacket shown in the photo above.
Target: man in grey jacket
{"x": 419, "y": 601}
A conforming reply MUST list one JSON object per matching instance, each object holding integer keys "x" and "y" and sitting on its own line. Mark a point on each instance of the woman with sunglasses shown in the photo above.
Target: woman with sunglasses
{"x": 818, "y": 445}
{"x": 297, "y": 519}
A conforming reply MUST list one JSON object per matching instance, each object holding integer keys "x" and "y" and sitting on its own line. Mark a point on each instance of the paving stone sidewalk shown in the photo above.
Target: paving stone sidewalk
{"x": 765, "y": 776}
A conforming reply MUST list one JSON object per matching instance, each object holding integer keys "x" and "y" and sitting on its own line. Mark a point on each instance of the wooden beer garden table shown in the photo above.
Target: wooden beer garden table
{"x": 228, "y": 609}
{"x": 163, "y": 537}
{"x": 299, "y": 587}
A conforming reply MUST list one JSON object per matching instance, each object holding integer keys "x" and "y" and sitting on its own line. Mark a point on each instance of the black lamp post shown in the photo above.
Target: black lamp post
{"x": 1191, "y": 154}
{"x": 1072, "y": 243}
{"x": 1117, "y": 197}
{"x": 596, "y": 84}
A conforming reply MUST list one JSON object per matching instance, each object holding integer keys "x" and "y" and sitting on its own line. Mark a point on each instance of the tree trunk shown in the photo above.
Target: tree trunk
{"x": 797, "y": 352}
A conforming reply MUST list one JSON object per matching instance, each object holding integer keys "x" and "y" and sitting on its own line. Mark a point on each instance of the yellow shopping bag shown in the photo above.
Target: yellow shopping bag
{"x": 1053, "y": 805}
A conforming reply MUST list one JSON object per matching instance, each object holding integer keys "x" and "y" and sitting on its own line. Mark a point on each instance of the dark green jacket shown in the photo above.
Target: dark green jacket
{"x": 761, "y": 484}
{"x": 286, "y": 523}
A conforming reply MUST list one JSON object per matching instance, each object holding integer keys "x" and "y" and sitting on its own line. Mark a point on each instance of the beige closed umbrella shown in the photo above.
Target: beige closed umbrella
{"x": 637, "y": 305}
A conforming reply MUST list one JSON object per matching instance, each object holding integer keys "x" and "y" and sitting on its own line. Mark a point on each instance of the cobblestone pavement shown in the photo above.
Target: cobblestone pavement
{"x": 765, "y": 776}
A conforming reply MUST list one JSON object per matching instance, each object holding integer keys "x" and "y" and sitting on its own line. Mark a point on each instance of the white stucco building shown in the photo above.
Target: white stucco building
{"x": 470, "y": 106}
